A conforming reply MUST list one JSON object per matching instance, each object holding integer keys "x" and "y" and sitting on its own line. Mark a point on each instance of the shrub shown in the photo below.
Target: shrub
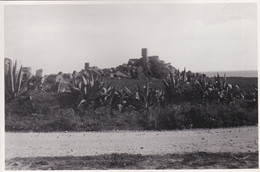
{"x": 171, "y": 117}
{"x": 67, "y": 120}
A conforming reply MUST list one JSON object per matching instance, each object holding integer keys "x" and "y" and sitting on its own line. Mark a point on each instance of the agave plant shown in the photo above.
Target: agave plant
{"x": 121, "y": 99}
{"x": 16, "y": 83}
{"x": 87, "y": 89}
{"x": 173, "y": 86}
{"x": 185, "y": 79}
{"x": 251, "y": 94}
{"x": 143, "y": 94}
{"x": 109, "y": 96}
{"x": 219, "y": 90}
{"x": 201, "y": 84}
{"x": 147, "y": 96}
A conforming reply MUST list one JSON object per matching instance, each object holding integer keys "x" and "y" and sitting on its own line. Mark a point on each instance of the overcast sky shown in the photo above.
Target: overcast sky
{"x": 200, "y": 37}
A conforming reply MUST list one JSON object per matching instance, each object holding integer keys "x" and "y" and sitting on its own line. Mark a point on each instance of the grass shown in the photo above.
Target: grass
{"x": 198, "y": 160}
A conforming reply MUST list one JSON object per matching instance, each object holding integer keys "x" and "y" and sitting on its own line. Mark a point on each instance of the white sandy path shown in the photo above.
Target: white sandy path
{"x": 242, "y": 139}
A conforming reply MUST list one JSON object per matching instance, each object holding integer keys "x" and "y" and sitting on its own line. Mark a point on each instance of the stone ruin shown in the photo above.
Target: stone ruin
{"x": 7, "y": 62}
{"x": 141, "y": 68}
{"x": 27, "y": 70}
{"x": 137, "y": 68}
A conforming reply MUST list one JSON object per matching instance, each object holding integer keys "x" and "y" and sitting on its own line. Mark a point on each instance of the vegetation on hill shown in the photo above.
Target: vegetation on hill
{"x": 90, "y": 101}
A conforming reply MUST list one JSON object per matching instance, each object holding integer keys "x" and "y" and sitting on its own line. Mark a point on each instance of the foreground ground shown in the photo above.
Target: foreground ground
{"x": 137, "y": 161}
{"x": 211, "y": 148}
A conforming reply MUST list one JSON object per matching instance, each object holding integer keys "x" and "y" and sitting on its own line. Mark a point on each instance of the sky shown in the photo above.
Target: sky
{"x": 200, "y": 37}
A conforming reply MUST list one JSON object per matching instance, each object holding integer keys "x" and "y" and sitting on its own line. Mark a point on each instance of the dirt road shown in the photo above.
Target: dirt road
{"x": 243, "y": 139}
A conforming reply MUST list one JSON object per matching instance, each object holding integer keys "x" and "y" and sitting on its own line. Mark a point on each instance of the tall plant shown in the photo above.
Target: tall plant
{"x": 16, "y": 83}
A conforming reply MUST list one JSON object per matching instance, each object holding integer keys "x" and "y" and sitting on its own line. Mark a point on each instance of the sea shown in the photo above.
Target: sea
{"x": 248, "y": 74}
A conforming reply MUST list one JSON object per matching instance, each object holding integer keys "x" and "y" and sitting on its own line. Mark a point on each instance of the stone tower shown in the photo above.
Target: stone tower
{"x": 86, "y": 66}
{"x": 145, "y": 56}
{"x": 144, "y": 52}
{"x": 145, "y": 60}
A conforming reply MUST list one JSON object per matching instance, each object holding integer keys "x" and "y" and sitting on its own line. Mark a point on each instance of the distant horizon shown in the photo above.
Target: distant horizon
{"x": 211, "y": 73}
{"x": 230, "y": 71}
{"x": 241, "y": 73}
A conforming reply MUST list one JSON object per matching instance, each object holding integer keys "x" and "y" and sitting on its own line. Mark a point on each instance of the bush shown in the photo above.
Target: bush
{"x": 218, "y": 115}
{"x": 40, "y": 111}
{"x": 176, "y": 116}
{"x": 67, "y": 120}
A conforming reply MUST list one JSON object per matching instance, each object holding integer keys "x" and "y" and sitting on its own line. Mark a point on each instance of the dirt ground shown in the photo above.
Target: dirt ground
{"x": 198, "y": 160}
{"x": 233, "y": 140}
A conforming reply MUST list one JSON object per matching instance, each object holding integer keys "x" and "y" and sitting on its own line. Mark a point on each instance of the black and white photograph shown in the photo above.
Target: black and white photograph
{"x": 130, "y": 85}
